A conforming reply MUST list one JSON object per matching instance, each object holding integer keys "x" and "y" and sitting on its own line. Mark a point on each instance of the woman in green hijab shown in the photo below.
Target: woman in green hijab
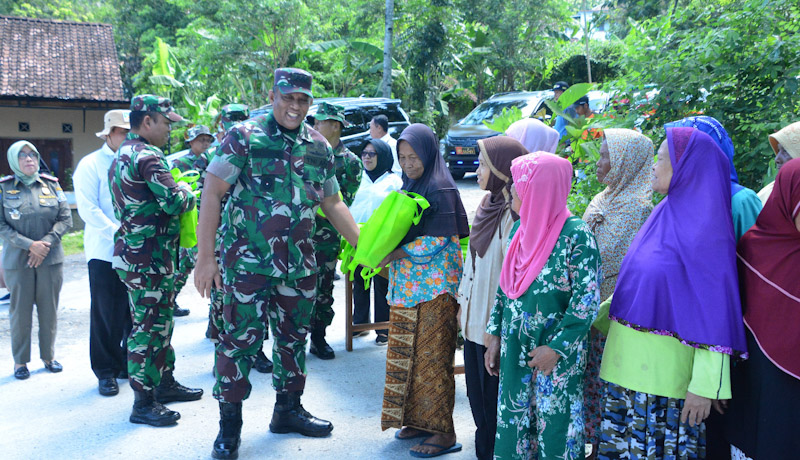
{"x": 34, "y": 217}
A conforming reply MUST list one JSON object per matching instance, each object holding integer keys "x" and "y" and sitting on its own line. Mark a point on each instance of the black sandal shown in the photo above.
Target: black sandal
{"x": 54, "y": 366}
{"x": 22, "y": 373}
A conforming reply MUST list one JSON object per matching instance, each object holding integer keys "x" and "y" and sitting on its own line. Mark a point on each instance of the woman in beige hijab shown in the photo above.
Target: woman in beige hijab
{"x": 786, "y": 144}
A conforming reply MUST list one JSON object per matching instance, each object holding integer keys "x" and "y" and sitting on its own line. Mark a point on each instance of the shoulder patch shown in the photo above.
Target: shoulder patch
{"x": 6, "y": 178}
{"x": 48, "y": 177}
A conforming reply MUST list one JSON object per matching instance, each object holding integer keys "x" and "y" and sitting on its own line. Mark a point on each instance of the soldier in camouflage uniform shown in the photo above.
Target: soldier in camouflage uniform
{"x": 147, "y": 202}
{"x": 228, "y": 116}
{"x": 329, "y": 122}
{"x": 280, "y": 172}
{"x": 199, "y": 139}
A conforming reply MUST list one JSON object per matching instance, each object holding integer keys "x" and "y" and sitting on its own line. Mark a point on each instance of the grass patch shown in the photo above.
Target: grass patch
{"x": 72, "y": 243}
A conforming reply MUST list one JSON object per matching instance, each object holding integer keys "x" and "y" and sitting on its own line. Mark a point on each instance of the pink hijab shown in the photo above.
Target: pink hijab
{"x": 542, "y": 181}
{"x": 534, "y": 135}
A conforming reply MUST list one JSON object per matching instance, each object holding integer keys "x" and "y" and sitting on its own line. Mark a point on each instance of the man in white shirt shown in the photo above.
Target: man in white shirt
{"x": 110, "y": 311}
{"x": 379, "y": 129}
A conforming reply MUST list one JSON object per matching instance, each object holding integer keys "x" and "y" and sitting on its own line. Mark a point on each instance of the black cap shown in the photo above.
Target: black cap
{"x": 560, "y": 86}
{"x": 582, "y": 100}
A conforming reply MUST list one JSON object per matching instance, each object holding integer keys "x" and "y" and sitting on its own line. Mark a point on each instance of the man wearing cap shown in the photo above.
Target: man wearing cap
{"x": 110, "y": 314}
{"x": 229, "y": 115}
{"x": 561, "y": 123}
{"x": 329, "y": 122}
{"x": 148, "y": 203}
{"x": 280, "y": 172}
{"x": 199, "y": 139}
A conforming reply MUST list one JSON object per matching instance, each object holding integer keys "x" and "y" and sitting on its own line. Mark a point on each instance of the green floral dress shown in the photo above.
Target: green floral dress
{"x": 543, "y": 417}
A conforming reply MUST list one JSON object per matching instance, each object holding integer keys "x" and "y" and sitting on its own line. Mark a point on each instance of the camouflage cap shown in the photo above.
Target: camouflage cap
{"x": 328, "y": 111}
{"x": 195, "y": 131}
{"x": 290, "y": 80}
{"x": 152, "y": 103}
{"x": 231, "y": 114}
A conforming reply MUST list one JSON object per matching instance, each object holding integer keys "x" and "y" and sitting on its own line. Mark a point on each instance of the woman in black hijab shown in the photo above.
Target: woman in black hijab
{"x": 424, "y": 274}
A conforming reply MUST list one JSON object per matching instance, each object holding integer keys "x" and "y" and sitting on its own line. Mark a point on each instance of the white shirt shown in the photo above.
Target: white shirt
{"x": 93, "y": 197}
{"x": 479, "y": 286}
{"x": 370, "y": 195}
{"x": 393, "y": 144}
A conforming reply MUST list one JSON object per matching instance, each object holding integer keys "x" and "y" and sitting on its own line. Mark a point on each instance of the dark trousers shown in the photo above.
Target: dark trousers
{"x": 110, "y": 320}
{"x": 361, "y": 302}
{"x": 482, "y": 394}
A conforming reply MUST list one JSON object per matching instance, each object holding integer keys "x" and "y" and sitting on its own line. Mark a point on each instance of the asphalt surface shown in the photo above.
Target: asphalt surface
{"x": 61, "y": 416}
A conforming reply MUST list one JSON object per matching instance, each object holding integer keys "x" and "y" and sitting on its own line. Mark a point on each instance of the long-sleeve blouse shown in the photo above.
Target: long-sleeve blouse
{"x": 559, "y": 307}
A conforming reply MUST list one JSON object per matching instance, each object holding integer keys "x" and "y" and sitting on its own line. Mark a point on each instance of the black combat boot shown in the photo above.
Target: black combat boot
{"x": 319, "y": 346}
{"x": 170, "y": 390}
{"x": 230, "y": 430}
{"x": 263, "y": 364}
{"x": 178, "y": 311}
{"x": 150, "y": 412}
{"x": 290, "y": 417}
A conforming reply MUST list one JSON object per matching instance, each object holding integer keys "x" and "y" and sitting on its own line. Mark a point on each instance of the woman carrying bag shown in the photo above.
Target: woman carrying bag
{"x": 424, "y": 273}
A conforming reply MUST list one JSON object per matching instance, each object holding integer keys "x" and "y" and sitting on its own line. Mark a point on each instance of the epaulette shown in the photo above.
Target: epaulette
{"x": 6, "y": 178}
{"x": 49, "y": 177}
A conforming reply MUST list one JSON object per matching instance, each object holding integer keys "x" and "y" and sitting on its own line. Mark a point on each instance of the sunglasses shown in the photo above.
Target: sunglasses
{"x": 366, "y": 154}
{"x": 32, "y": 155}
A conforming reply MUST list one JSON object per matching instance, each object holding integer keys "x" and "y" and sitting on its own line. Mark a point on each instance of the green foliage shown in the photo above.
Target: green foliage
{"x": 744, "y": 54}
{"x": 506, "y": 118}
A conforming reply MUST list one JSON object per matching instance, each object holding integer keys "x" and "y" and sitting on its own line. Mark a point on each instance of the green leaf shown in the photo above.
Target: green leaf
{"x": 573, "y": 93}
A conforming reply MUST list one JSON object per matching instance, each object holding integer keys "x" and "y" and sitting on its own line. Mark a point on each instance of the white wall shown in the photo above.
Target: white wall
{"x": 46, "y": 124}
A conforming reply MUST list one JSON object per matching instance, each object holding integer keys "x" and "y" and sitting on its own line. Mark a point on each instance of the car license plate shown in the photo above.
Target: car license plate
{"x": 465, "y": 150}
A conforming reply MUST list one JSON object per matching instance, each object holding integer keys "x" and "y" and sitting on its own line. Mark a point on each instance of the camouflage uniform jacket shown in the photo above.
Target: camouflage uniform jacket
{"x": 147, "y": 202}
{"x": 278, "y": 182}
{"x": 348, "y": 172}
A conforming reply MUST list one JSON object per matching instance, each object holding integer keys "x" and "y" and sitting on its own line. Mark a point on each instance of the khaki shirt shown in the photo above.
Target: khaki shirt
{"x": 38, "y": 212}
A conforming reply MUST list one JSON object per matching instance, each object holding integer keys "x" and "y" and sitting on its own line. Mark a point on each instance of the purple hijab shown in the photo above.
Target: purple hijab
{"x": 446, "y": 216}
{"x": 679, "y": 276}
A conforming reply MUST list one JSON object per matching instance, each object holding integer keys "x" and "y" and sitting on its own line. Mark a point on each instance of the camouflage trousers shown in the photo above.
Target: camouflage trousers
{"x": 215, "y": 320}
{"x": 150, "y": 353}
{"x": 250, "y": 302}
{"x": 326, "y": 247}
{"x": 187, "y": 259}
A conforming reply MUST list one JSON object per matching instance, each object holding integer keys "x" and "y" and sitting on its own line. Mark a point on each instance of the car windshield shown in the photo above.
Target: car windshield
{"x": 491, "y": 109}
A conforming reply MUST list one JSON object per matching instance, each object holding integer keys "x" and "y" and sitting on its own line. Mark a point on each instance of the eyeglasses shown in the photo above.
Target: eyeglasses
{"x": 368, "y": 154}
{"x": 32, "y": 155}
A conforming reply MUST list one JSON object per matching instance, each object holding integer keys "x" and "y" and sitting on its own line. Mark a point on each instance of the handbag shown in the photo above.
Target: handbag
{"x": 382, "y": 232}
{"x": 188, "y": 219}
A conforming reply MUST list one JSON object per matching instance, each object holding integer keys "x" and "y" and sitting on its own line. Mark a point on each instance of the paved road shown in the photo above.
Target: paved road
{"x": 62, "y": 416}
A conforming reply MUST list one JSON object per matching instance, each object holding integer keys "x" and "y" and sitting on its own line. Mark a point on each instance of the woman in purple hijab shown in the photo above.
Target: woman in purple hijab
{"x": 424, "y": 274}
{"x": 676, "y": 315}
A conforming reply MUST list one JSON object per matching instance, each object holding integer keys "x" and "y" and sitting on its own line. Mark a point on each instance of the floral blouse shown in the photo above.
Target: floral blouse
{"x": 433, "y": 267}
{"x": 561, "y": 303}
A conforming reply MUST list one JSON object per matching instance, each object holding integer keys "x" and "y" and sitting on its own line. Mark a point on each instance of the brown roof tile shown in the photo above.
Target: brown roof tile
{"x": 48, "y": 59}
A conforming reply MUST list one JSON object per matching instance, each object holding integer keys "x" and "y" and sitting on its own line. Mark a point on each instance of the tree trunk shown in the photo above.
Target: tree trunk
{"x": 386, "y": 84}
{"x": 586, "y": 32}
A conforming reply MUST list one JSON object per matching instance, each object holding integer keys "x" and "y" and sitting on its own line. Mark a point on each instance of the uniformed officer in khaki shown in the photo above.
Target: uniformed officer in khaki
{"x": 35, "y": 216}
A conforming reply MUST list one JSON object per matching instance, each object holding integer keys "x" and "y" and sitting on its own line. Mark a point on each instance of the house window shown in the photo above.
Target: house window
{"x": 66, "y": 128}
{"x": 24, "y": 127}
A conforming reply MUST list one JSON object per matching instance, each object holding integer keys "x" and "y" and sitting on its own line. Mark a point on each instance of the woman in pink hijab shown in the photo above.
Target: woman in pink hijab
{"x": 534, "y": 135}
{"x": 548, "y": 298}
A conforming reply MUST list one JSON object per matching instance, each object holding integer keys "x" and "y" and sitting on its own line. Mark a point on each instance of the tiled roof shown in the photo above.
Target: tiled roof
{"x": 48, "y": 59}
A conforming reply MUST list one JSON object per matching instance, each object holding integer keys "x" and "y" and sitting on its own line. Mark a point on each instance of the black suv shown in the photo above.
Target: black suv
{"x": 460, "y": 146}
{"x": 358, "y": 111}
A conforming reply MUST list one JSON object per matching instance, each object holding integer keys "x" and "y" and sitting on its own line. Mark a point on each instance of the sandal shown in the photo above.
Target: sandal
{"x": 54, "y": 366}
{"x": 443, "y": 450}
{"x": 419, "y": 434}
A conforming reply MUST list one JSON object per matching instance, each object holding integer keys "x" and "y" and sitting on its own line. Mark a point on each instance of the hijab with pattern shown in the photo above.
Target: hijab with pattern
{"x": 616, "y": 214}
{"x": 497, "y": 153}
{"x": 769, "y": 256}
{"x": 13, "y": 162}
{"x": 384, "y": 158}
{"x": 542, "y": 182}
{"x": 534, "y": 135}
{"x": 679, "y": 275}
{"x": 446, "y": 216}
